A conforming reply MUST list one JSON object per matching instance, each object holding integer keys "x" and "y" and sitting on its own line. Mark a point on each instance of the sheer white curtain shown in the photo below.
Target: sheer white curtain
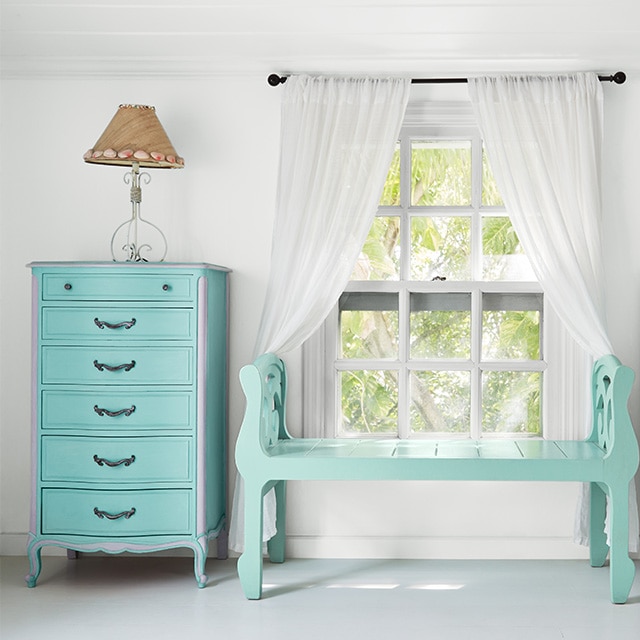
{"x": 338, "y": 137}
{"x": 543, "y": 136}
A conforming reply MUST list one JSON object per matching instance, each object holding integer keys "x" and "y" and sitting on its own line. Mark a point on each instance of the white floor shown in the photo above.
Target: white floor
{"x": 152, "y": 597}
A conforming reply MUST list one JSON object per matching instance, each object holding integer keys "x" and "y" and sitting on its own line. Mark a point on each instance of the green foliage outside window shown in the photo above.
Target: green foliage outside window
{"x": 369, "y": 402}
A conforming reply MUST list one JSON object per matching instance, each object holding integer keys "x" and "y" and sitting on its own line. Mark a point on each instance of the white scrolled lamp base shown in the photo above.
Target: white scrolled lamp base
{"x": 137, "y": 240}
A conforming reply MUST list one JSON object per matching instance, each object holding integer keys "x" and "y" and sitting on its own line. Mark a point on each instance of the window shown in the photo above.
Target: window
{"x": 439, "y": 331}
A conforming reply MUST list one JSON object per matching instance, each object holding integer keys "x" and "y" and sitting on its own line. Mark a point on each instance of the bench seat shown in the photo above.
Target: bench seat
{"x": 267, "y": 456}
{"x": 328, "y": 459}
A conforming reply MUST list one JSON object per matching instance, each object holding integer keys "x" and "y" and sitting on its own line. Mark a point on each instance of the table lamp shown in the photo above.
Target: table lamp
{"x": 135, "y": 138}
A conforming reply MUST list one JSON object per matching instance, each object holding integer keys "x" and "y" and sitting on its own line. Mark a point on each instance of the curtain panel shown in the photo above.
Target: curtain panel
{"x": 338, "y": 136}
{"x": 543, "y": 136}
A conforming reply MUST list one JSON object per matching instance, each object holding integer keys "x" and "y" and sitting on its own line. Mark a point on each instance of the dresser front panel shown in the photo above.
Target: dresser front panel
{"x": 118, "y": 411}
{"x": 109, "y": 460}
{"x": 108, "y": 514}
{"x": 117, "y": 324}
{"x": 117, "y": 365}
{"x": 117, "y": 286}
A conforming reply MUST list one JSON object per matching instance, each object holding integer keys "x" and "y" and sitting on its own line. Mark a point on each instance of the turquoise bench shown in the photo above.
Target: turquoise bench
{"x": 267, "y": 456}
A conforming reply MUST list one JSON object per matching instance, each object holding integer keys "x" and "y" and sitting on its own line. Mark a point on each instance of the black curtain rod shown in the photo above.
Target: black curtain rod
{"x": 274, "y": 79}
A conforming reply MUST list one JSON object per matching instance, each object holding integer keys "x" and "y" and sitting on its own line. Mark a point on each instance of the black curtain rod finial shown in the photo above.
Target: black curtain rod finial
{"x": 274, "y": 79}
{"x": 619, "y": 77}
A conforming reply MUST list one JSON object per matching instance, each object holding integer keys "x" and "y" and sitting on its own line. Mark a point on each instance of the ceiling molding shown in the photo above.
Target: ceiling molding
{"x": 224, "y": 38}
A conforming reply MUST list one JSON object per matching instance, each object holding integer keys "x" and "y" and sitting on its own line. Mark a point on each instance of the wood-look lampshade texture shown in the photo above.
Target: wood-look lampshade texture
{"x": 135, "y": 135}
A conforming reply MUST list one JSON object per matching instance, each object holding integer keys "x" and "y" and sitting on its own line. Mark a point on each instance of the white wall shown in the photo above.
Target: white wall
{"x": 219, "y": 209}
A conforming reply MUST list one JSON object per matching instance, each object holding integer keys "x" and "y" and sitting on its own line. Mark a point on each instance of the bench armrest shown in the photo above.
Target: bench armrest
{"x": 264, "y": 384}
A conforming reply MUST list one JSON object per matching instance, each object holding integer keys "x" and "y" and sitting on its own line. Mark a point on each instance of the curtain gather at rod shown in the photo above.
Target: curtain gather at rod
{"x": 619, "y": 77}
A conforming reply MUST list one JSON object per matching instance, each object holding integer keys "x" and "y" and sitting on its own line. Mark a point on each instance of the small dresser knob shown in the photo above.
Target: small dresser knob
{"x": 67, "y": 286}
{"x": 165, "y": 287}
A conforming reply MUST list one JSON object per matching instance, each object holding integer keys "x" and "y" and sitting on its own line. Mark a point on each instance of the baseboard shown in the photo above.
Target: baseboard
{"x": 15, "y": 544}
{"x": 418, "y": 548}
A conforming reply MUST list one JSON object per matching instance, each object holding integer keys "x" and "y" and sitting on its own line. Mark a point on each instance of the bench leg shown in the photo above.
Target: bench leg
{"x": 621, "y": 566}
{"x": 598, "y": 547}
{"x": 250, "y": 562}
{"x": 277, "y": 544}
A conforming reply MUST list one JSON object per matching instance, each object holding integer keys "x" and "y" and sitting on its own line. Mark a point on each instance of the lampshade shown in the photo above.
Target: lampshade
{"x": 135, "y": 135}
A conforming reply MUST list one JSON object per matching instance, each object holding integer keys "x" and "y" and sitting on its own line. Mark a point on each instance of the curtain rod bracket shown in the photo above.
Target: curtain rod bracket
{"x": 619, "y": 78}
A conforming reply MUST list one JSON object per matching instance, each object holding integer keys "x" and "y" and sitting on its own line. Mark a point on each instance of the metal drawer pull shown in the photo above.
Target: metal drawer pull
{"x": 100, "y": 366}
{"x": 101, "y": 324}
{"x": 114, "y": 516}
{"x": 113, "y": 414}
{"x": 102, "y": 461}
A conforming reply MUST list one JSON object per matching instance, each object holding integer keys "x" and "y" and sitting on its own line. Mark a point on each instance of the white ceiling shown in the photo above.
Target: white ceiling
{"x": 407, "y": 37}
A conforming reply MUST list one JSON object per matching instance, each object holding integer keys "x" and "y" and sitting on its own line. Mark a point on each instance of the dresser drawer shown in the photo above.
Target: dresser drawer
{"x": 118, "y": 411}
{"x": 120, "y": 324}
{"x": 116, "y": 460}
{"x": 117, "y": 365}
{"x": 117, "y": 286}
{"x": 109, "y": 514}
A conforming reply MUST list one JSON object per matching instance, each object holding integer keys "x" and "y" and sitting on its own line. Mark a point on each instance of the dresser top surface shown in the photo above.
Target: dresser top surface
{"x": 127, "y": 265}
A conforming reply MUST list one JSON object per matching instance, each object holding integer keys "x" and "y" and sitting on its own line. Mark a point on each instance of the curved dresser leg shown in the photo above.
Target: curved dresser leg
{"x": 250, "y": 562}
{"x": 621, "y": 566}
{"x": 598, "y": 547}
{"x": 35, "y": 563}
{"x": 200, "y": 552}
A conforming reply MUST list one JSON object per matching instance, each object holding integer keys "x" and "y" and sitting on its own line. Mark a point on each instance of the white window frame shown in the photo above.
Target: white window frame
{"x": 321, "y": 364}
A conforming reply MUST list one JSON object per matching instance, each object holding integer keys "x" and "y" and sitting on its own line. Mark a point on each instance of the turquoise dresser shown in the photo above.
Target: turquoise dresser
{"x": 129, "y": 409}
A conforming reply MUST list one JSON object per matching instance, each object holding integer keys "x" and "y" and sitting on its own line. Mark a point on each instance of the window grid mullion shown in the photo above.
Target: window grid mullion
{"x": 476, "y": 357}
{"x": 405, "y": 203}
{"x": 404, "y": 338}
{"x": 476, "y": 294}
{"x": 476, "y": 203}
{"x": 403, "y": 301}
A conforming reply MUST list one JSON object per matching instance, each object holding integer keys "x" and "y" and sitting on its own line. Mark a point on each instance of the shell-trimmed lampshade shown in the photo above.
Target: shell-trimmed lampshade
{"x": 135, "y": 135}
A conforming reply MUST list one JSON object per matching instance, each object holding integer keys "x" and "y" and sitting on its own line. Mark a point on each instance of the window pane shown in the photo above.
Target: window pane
{"x": 369, "y": 325}
{"x": 440, "y": 247}
{"x": 369, "y": 402}
{"x": 391, "y": 192}
{"x": 511, "y": 326}
{"x": 503, "y": 257}
{"x": 440, "y": 325}
{"x": 440, "y": 173}
{"x": 380, "y": 256}
{"x": 440, "y": 401}
{"x": 511, "y": 402}
{"x": 490, "y": 195}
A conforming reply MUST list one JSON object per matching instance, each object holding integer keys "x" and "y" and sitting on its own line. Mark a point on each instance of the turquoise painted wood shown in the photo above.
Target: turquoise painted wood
{"x": 129, "y": 409}
{"x": 115, "y": 325}
{"x": 160, "y": 459}
{"x": 267, "y": 456}
{"x": 145, "y": 512}
{"x": 117, "y": 409}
